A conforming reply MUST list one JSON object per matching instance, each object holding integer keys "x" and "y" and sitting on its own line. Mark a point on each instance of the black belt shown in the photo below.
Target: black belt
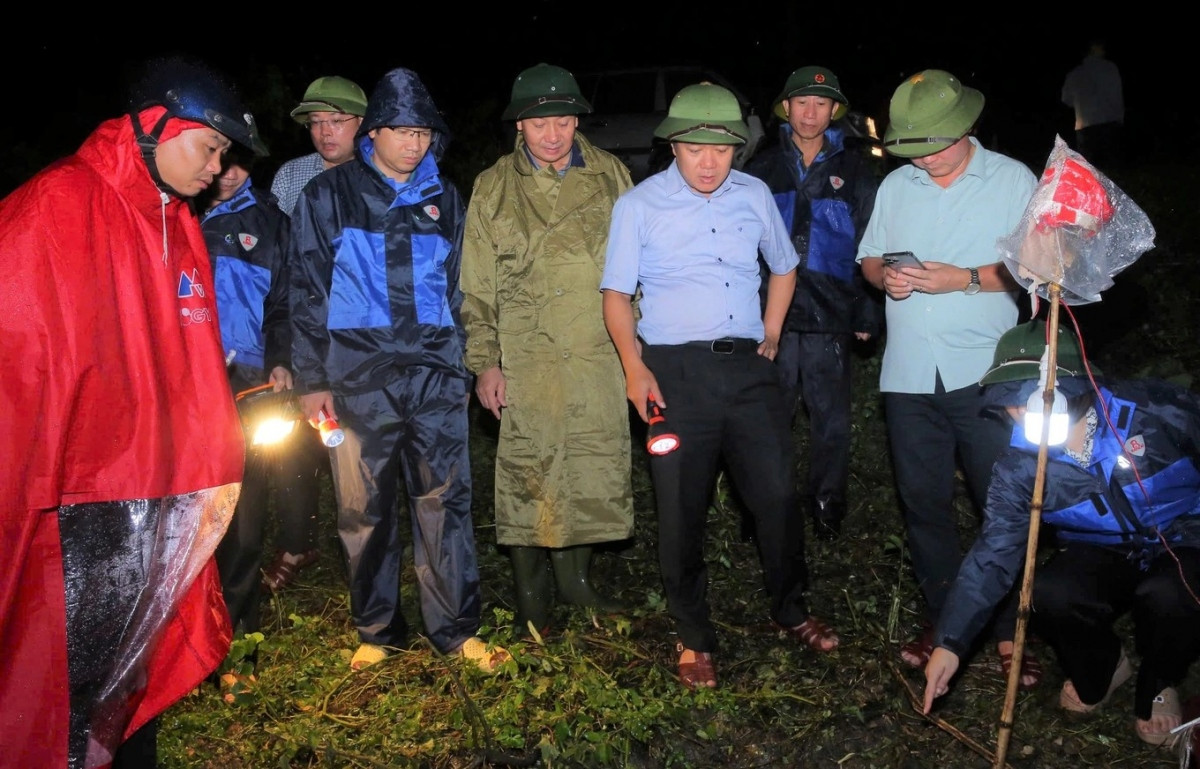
{"x": 726, "y": 346}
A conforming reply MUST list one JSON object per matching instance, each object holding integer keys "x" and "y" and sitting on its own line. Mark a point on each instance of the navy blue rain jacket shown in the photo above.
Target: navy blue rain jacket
{"x": 375, "y": 263}
{"x": 247, "y": 238}
{"x": 826, "y": 209}
{"x": 1158, "y": 424}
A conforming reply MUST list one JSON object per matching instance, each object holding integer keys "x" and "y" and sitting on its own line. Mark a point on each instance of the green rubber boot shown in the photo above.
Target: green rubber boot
{"x": 534, "y": 588}
{"x": 572, "y": 567}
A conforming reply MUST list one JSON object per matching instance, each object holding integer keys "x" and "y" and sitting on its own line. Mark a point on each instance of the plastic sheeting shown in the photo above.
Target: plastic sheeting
{"x": 1079, "y": 230}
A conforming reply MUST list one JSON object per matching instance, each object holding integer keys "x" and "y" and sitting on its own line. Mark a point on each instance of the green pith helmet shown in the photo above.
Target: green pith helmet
{"x": 545, "y": 90}
{"x": 331, "y": 94}
{"x": 930, "y": 111}
{"x": 1019, "y": 354}
{"x": 813, "y": 81}
{"x": 705, "y": 113}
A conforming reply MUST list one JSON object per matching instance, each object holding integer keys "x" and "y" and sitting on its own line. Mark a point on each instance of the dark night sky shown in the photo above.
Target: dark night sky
{"x": 71, "y": 84}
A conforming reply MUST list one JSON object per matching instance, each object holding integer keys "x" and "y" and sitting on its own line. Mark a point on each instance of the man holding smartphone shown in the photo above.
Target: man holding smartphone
{"x": 944, "y": 317}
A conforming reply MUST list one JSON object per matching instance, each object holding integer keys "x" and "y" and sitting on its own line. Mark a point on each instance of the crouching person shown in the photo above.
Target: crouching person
{"x": 1123, "y": 496}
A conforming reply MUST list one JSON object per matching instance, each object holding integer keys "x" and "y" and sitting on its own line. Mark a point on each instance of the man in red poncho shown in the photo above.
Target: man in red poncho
{"x": 121, "y": 459}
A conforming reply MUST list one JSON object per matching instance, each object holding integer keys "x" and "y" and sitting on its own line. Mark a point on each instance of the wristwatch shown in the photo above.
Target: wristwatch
{"x": 973, "y": 286}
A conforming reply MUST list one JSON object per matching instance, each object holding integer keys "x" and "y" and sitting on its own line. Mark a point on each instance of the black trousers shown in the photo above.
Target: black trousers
{"x": 292, "y": 469}
{"x": 725, "y": 406}
{"x": 930, "y": 435}
{"x": 1083, "y": 589}
{"x": 1101, "y": 145}
{"x": 814, "y": 369}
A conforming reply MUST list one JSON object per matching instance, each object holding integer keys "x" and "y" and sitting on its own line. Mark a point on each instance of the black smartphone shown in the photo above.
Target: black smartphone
{"x": 902, "y": 259}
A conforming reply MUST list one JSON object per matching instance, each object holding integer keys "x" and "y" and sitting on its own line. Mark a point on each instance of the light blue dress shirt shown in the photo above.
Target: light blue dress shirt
{"x": 954, "y": 334}
{"x": 696, "y": 257}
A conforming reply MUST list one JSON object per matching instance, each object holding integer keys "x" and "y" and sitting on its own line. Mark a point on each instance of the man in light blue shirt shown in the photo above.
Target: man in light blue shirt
{"x": 689, "y": 237}
{"x": 949, "y": 207}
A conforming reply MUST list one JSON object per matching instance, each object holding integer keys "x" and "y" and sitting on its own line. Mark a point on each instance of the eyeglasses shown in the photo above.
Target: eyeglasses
{"x": 408, "y": 134}
{"x": 334, "y": 124}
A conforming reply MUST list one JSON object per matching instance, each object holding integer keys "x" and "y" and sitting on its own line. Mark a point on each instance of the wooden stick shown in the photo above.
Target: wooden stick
{"x": 1031, "y": 546}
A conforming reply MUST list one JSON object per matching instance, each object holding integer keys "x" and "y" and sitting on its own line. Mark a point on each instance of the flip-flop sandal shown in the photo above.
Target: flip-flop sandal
{"x": 1165, "y": 704}
{"x": 1031, "y": 667}
{"x": 1068, "y": 698}
{"x": 698, "y": 674}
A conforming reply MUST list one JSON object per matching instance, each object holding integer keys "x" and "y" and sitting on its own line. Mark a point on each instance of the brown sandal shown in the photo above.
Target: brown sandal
{"x": 283, "y": 572}
{"x": 699, "y": 674}
{"x": 1031, "y": 667}
{"x": 919, "y": 648}
{"x": 814, "y": 634}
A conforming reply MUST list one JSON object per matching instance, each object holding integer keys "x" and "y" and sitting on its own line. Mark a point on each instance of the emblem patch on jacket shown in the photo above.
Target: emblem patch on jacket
{"x": 836, "y": 182}
{"x": 193, "y": 307}
{"x": 1136, "y": 445}
{"x": 433, "y": 212}
{"x": 247, "y": 240}
{"x": 190, "y": 285}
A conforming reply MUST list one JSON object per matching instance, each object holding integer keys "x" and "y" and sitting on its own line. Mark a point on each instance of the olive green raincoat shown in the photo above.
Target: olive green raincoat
{"x": 533, "y": 254}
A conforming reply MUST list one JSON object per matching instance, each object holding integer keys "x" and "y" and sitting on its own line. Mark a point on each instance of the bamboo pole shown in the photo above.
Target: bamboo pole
{"x": 1031, "y": 546}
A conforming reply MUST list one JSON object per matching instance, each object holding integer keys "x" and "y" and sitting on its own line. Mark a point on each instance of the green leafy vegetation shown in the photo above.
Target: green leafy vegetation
{"x": 601, "y": 691}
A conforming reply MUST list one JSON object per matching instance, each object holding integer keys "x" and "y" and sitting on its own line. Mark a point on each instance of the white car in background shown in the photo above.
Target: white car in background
{"x": 629, "y": 103}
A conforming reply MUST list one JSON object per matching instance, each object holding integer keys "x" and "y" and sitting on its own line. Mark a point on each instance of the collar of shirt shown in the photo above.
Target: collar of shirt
{"x": 975, "y": 166}
{"x": 576, "y": 159}
{"x": 676, "y": 184}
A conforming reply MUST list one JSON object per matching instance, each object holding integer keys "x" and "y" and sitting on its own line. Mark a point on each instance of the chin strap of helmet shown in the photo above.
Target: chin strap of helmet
{"x": 148, "y": 144}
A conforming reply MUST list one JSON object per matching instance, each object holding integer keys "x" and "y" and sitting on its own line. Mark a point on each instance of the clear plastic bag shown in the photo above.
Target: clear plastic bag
{"x": 1079, "y": 230}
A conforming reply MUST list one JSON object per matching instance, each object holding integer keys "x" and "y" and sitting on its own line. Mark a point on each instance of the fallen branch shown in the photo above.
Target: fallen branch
{"x": 918, "y": 704}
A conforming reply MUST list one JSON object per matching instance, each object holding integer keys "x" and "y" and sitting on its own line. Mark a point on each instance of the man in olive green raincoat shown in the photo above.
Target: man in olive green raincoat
{"x": 533, "y": 254}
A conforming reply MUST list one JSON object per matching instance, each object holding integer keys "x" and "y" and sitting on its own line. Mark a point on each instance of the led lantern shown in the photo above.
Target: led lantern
{"x": 1035, "y": 409}
{"x": 268, "y": 417}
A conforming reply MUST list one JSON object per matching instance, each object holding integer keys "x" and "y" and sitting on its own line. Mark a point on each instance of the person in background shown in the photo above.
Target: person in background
{"x": 825, "y": 194}
{"x": 123, "y": 471}
{"x": 948, "y": 207}
{"x": 378, "y": 344}
{"x": 1092, "y": 89}
{"x": 533, "y": 253}
{"x": 1122, "y": 496}
{"x": 246, "y": 235}
{"x": 689, "y": 238}
{"x": 331, "y": 110}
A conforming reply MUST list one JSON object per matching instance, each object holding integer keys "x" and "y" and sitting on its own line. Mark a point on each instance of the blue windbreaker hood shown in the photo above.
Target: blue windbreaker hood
{"x": 400, "y": 98}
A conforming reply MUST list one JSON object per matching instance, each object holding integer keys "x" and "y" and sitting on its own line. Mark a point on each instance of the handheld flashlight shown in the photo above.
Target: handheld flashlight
{"x": 331, "y": 433}
{"x": 660, "y": 439}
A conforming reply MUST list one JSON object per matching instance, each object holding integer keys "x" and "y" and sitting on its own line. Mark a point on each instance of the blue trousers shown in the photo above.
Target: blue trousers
{"x": 814, "y": 369}
{"x": 414, "y": 431}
